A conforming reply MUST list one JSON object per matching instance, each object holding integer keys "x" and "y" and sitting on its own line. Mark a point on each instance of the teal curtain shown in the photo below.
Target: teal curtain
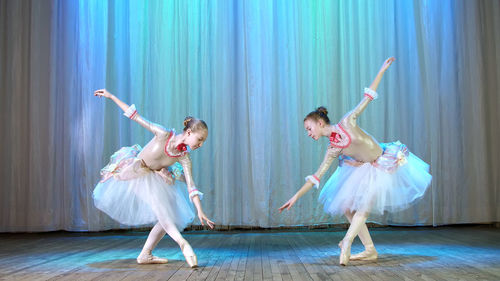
{"x": 252, "y": 70}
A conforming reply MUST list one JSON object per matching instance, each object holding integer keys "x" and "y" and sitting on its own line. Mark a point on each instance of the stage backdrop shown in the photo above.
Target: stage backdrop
{"x": 252, "y": 70}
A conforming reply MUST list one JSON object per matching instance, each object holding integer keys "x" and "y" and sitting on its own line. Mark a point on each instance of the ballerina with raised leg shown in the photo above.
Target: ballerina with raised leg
{"x": 143, "y": 186}
{"x": 372, "y": 177}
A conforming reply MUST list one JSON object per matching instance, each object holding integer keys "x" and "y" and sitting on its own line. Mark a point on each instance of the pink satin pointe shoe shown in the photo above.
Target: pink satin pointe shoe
{"x": 345, "y": 252}
{"x": 189, "y": 254}
{"x": 148, "y": 258}
{"x": 369, "y": 254}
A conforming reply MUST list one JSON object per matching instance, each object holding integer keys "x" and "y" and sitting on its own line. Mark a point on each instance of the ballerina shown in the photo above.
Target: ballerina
{"x": 142, "y": 185}
{"x": 372, "y": 177}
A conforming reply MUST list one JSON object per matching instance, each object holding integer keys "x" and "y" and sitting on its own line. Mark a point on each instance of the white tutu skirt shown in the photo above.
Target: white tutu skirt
{"x": 133, "y": 194}
{"x": 391, "y": 183}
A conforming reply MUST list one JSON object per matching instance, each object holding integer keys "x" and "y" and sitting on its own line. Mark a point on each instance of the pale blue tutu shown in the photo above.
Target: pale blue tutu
{"x": 392, "y": 183}
{"x": 133, "y": 194}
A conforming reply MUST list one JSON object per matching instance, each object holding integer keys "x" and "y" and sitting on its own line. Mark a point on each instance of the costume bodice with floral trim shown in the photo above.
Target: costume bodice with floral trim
{"x": 348, "y": 139}
{"x": 354, "y": 141}
{"x": 160, "y": 152}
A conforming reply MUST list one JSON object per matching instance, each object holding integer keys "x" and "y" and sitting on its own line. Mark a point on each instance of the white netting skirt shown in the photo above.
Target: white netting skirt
{"x": 133, "y": 194}
{"x": 392, "y": 183}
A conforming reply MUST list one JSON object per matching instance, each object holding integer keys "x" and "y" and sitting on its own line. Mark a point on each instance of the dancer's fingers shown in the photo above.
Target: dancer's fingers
{"x": 284, "y": 207}
{"x": 210, "y": 223}
{"x": 100, "y": 92}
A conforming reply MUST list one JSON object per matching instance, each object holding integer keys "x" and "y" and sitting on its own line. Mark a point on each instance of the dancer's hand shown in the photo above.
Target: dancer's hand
{"x": 288, "y": 204}
{"x": 203, "y": 218}
{"x": 387, "y": 63}
{"x": 102, "y": 93}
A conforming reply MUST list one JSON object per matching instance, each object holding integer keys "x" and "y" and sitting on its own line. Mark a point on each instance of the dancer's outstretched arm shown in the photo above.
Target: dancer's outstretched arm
{"x": 131, "y": 113}
{"x": 303, "y": 190}
{"x": 313, "y": 180}
{"x": 194, "y": 193}
{"x": 370, "y": 93}
{"x": 201, "y": 215}
{"x": 381, "y": 72}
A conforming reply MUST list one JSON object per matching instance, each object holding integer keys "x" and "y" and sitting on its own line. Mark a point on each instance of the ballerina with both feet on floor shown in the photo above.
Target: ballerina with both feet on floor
{"x": 141, "y": 186}
{"x": 371, "y": 177}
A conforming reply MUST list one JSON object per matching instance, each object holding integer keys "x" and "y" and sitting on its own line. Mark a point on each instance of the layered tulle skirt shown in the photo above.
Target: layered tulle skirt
{"x": 393, "y": 182}
{"x": 133, "y": 194}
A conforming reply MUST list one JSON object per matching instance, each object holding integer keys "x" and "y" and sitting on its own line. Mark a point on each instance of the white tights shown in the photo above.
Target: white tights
{"x": 358, "y": 227}
{"x": 159, "y": 231}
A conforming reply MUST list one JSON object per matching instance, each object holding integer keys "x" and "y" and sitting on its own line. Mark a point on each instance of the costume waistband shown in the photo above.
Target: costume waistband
{"x": 394, "y": 155}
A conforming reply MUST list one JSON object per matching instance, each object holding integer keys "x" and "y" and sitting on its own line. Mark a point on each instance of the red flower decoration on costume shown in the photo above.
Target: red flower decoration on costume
{"x": 335, "y": 138}
{"x": 182, "y": 147}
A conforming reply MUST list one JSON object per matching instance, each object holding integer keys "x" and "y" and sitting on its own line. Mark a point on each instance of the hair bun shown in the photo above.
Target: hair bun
{"x": 187, "y": 120}
{"x": 322, "y": 109}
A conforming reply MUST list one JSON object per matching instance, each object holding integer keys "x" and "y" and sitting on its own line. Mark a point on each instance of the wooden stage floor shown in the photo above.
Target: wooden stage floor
{"x": 405, "y": 253}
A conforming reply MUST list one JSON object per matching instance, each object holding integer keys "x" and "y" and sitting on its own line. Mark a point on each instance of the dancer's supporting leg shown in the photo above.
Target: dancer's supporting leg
{"x": 186, "y": 249}
{"x": 370, "y": 253}
{"x": 146, "y": 257}
{"x": 358, "y": 221}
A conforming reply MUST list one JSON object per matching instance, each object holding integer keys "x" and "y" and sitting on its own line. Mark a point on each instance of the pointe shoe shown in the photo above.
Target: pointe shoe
{"x": 369, "y": 254}
{"x": 345, "y": 252}
{"x": 192, "y": 261}
{"x": 189, "y": 255}
{"x": 150, "y": 259}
